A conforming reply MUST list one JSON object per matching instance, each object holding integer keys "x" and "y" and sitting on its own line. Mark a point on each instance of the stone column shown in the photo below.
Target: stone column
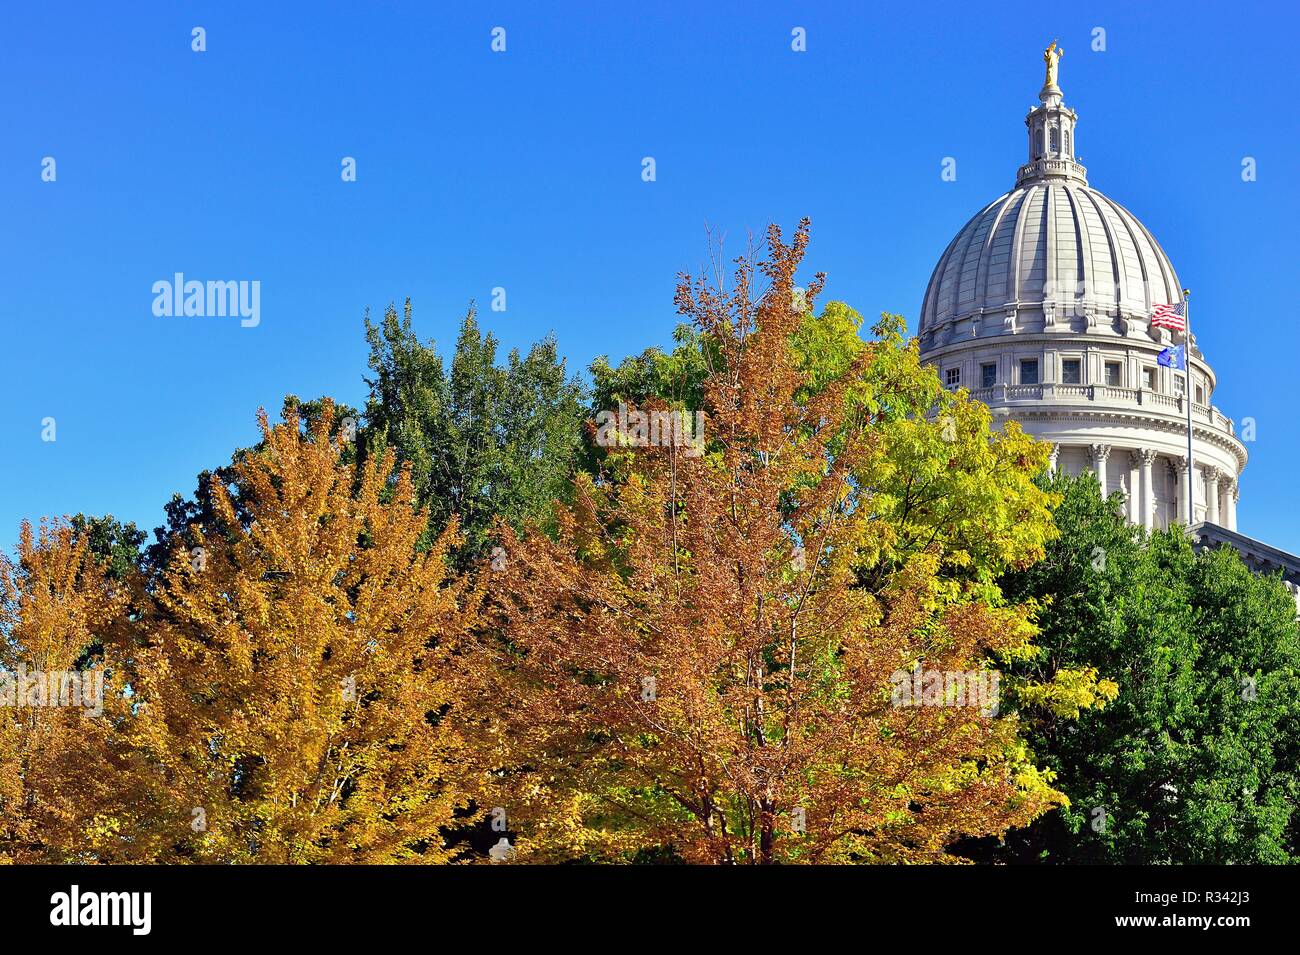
{"x": 1233, "y": 492}
{"x": 1146, "y": 458}
{"x": 1212, "y": 476}
{"x": 1135, "y": 488}
{"x": 1100, "y": 452}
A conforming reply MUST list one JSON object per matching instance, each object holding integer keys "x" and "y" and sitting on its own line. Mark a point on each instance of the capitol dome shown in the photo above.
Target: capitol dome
{"x": 1042, "y": 307}
{"x": 1050, "y": 241}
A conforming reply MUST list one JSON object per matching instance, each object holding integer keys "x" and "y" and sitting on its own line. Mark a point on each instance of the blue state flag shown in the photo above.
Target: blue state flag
{"x": 1172, "y": 357}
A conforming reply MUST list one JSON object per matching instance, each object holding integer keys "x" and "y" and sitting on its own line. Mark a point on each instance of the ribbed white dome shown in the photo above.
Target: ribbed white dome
{"x": 1050, "y": 239}
{"x": 1041, "y": 309}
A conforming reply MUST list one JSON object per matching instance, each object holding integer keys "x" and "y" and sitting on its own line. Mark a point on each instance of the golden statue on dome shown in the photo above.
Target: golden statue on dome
{"x": 1052, "y": 57}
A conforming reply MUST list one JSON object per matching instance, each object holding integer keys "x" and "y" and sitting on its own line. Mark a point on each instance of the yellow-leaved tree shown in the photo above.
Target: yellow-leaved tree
{"x": 59, "y": 705}
{"x": 288, "y": 686}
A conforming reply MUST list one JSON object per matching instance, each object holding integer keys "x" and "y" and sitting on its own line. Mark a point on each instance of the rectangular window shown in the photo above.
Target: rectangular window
{"x": 1072, "y": 371}
{"x": 988, "y": 375}
{"x": 1149, "y": 379}
{"x": 1029, "y": 371}
{"x": 952, "y": 377}
{"x": 1114, "y": 374}
{"x": 1180, "y": 386}
{"x": 1200, "y": 395}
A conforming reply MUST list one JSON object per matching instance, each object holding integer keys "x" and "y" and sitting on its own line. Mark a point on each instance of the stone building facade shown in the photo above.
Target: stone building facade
{"x": 1041, "y": 306}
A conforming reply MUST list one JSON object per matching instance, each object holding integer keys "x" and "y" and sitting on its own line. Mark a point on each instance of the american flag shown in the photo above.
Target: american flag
{"x": 1169, "y": 316}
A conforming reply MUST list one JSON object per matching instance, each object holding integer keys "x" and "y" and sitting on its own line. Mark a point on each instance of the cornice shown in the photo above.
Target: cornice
{"x": 1169, "y": 425}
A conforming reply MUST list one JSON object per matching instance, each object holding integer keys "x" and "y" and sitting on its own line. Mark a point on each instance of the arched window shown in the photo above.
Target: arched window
{"x": 1056, "y": 140}
{"x": 1038, "y": 141}
{"x": 1067, "y": 142}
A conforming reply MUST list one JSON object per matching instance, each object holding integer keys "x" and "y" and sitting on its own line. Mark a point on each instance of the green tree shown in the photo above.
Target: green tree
{"x": 115, "y": 545}
{"x": 676, "y": 377}
{"x": 483, "y": 440}
{"x": 1194, "y": 760}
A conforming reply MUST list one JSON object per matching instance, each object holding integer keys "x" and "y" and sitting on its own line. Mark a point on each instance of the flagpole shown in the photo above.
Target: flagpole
{"x": 1187, "y": 396}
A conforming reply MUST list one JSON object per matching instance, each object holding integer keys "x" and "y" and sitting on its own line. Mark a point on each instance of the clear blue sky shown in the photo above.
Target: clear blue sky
{"x": 522, "y": 170}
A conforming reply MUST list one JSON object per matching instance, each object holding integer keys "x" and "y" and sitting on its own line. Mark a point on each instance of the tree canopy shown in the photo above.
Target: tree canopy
{"x": 484, "y": 441}
{"x": 1194, "y": 761}
{"x": 775, "y": 595}
{"x": 699, "y": 663}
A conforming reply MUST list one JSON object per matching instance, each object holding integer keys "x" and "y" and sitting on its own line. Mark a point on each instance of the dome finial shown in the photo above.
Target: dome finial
{"x": 1050, "y": 94}
{"x": 1051, "y": 130}
{"x": 1052, "y": 57}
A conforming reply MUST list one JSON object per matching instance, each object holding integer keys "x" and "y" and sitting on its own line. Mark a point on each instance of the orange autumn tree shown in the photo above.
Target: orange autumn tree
{"x": 703, "y": 664}
{"x": 58, "y": 704}
{"x": 291, "y": 699}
